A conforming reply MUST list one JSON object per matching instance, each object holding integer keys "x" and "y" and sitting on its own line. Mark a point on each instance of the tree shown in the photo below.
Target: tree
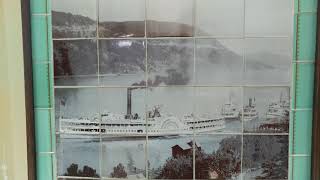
{"x": 225, "y": 163}
{"x": 119, "y": 172}
{"x": 73, "y": 170}
{"x": 277, "y": 167}
{"x": 177, "y": 168}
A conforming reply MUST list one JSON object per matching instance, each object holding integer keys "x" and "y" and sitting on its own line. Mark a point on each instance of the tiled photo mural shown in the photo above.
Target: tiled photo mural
{"x": 172, "y": 89}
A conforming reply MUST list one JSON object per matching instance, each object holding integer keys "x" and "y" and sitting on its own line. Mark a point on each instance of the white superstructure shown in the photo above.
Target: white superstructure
{"x": 156, "y": 125}
{"x": 249, "y": 111}
{"x": 278, "y": 109}
{"x": 229, "y": 111}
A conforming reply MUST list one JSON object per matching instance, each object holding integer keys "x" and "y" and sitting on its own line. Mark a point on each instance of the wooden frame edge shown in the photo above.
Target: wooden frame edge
{"x": 316, "y": 109}
{"x": 27, "y": 55}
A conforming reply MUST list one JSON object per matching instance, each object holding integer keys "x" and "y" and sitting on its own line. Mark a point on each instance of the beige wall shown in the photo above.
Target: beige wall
{"x": 13, "y": 149}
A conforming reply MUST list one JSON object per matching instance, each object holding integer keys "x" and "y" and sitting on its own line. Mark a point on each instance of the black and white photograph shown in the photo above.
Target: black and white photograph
{"x": 265, "y": 157}
{"x": 218, "y": 109}
{"x": 268, "y": 61}
{"x": 74, "y": 19}
{"x": 218, "y": 156}
{"x": 122, "y": 62}
{"x": 170, "y": 62}
{"x": 174, "y": 160}
{"x": 172, "y": 89}
{"x": 121, "y": 18}
{"x": 170, "y": 18}
{"x": 124, "y": 116}
{"x": 75, "y": 62}
{"x": 122, "y": 158}
{"x": 77, "y": 111}
{"x": 219, "y": 62}
{"x": 78, "y": 157}
{"x": 219, "y": 18}
{"x": 266, "y": 110}
{"x": 170, "y": 111}
{"x": 273, "y": 20}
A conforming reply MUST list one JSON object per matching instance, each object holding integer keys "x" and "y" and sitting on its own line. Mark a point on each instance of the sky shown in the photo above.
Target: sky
{"x": 81, "y": 7}
{"x": 122, "y": 10}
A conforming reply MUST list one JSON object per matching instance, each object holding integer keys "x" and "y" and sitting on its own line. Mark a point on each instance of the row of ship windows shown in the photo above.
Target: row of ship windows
{"x": 104, "y": 130}
{"x": 206, "y": 121}
{"x": 200, "y": 127}
{"x": 108, "y": 125}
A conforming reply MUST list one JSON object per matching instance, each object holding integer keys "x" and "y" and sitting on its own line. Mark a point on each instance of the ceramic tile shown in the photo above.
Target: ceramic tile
{"x": 42, "y": 86}
{"x": 122, "y": 62}
{"x": 302, "y": 139}
{"x": 44, "y": 164}
{"x": 39, "y": 6}
{"x": 268, "y": 61}
{"x": 170, "y": 157}
{"x": 218, "y": 156}
{"x": 124, "y": 158}
{"x": 217, "y": 109}
{"x": 265, "y": 157}
{"x": 301, "y": 167}
{"x": 114, "y": 21}
{"x": 75, "y": 62}
{"x": 74, "y": 18}
{"x": 307, "y": 28}
{"x": 303, "y": 85}
{"x": 78, "y": 157}
{"x": 39, "y": 33}
{"x": 275, "y": 17}
{"x": 125, "y": 115}
{"x": 266, "y": 110}
{"x": 43, "y": 129}
{"x": 77, "y": 112}
{"x": 219, "y": 62}
{"x": 222, "y": 18}
{"x": 169, "y": 111}
{"x": 176, "y": 21}
{"x": 170, "y": 62}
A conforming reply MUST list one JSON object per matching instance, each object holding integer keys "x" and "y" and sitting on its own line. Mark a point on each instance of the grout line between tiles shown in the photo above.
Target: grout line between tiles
{"x": 305, "y": 12}
{"x": 77, "y": 177}
{"x": 42, "y": 153}
{"x": 173, "y": 86}
{"x": 173, "y": 38}
{"x": 42, "y": 108}
{"x": 194, "y": 24}
{"x": 41, "y": 14}
{"x": 243, "y": 80}
{"x": 300, "y": 155}
{"x": 146, "y": 90}
{"x": 304, "y": 62}
{"x": 42, "y": 62}
{"x": 301, "y": 109}
{"x": 196, "y": 134}
{"x": 97, "y": 40}
{"x": 99, "y": 93}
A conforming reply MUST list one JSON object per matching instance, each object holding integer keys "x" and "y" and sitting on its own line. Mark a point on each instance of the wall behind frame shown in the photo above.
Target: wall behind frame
{"x": 13, "y": 146}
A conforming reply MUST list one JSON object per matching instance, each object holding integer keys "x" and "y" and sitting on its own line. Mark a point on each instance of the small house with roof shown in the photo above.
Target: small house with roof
{"x": 183, "y": 149}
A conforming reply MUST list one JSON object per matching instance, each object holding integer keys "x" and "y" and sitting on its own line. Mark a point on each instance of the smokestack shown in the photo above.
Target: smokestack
{"x": 250, "y": 102}
{"x": 129, "y": 113}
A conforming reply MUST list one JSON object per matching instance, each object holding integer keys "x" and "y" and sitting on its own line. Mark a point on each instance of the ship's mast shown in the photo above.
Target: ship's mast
{"x": 129, "y": 104}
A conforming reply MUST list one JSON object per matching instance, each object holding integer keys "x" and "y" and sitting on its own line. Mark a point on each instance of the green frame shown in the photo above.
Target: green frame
{"x": 42, "y": 65}
{"x": 300, "y": 135}
{"x": 304, "y": 51}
